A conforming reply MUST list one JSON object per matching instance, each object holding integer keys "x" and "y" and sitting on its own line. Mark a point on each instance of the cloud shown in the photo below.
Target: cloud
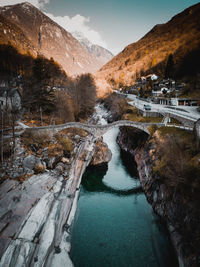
{"x": 36, "y": 3}
{"x": 79, "y": 23}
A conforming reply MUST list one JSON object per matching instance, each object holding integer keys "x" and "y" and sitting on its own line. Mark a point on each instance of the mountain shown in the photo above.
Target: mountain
{"x": 101, "y": 54}
{"x": 29, "y": 30}
{"x": 178, "y": 40}
{"x": 11, "y": 33}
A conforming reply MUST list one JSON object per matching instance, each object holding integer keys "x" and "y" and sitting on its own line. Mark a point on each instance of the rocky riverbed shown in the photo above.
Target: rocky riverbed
{"x": 38, "y": 198}
{"x": 180, "y": 212}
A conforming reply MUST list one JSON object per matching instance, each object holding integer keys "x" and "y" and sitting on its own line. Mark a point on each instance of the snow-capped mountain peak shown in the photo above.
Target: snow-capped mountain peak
{"x": 82, "y": 39}
{"x": 101, "y": 53}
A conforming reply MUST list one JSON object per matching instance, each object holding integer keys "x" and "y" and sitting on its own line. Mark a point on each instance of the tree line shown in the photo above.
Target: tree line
{"x": 46, "y": 92}
{"x": 46, "y": 87}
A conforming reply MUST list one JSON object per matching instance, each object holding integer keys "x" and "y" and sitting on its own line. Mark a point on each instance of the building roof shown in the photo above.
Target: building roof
{"x": 188, "y": 98}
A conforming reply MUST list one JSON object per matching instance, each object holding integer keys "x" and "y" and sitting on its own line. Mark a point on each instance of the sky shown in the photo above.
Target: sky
{"x": 113, "y": 24}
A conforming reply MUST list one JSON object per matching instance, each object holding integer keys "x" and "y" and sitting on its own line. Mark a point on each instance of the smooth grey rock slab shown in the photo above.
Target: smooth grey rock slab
{"x": 37, "y": 217}
{"x": 18, "y": 254}
{"x": 19, "y": 199}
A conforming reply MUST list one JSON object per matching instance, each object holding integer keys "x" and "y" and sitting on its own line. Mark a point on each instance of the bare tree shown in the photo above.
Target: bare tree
{"x": 65, "y": 109}
{"x": 85, "y": 94}
{"x": 41, "y": 115}
{"x": 14, "y": 112}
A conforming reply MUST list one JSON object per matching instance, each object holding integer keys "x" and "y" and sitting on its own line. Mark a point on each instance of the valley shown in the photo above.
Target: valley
{"x": 99, "y": 154}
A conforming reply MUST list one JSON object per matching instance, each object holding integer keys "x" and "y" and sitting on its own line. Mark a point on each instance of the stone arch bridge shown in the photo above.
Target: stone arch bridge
{"x": 97, "y": 130}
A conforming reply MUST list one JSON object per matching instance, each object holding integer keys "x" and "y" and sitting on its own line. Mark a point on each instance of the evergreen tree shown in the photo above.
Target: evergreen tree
{"x": 169, "y": 69}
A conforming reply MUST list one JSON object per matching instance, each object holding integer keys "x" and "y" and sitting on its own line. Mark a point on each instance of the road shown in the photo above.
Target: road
{"x": 188, "y": 112}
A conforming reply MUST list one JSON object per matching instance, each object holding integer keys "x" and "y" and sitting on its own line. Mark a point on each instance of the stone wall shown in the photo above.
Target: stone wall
{"x": 186, "y": 122}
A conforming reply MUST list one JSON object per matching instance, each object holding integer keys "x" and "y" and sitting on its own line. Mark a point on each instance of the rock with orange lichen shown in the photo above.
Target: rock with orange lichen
{"x": 102, "y": 154}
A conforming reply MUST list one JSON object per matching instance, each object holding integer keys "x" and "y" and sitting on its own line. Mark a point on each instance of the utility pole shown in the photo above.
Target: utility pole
{"x": 1, "y": 134}
{"x": 138, "y": 102}
{"x": 176, "y": 98}
{"x": 41, "y": 115}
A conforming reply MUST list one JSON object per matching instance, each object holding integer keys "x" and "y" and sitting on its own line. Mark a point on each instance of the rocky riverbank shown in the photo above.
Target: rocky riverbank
{"x": 102, "y": 154}
{"x": 38, "y": 196}
{"x": 171, "y": 200}
{"x": 36, "y": 213}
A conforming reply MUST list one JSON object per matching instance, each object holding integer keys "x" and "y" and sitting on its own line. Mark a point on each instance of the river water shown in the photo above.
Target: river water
{"x": 114, "y": 224}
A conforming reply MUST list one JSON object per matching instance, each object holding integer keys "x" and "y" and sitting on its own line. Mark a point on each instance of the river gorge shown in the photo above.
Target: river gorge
{"x": 119, "y": 194}
{"x": 114, "y": 224}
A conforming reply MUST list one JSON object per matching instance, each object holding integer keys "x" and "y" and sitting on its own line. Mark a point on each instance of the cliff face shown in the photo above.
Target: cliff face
{"x": 29, "y": 30}
{"x": 179, "y": 211}
{"x": 11, "y": 34}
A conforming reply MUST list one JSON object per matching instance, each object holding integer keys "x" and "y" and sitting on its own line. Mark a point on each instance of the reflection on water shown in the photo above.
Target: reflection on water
{"x": 114, "y": 225}
{"x": 92, "y": 181}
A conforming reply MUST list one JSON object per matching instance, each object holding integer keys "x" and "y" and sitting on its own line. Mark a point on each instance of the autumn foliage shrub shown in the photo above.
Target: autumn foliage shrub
{"x": 116, "y": 105}
{"x": 152, "y": 129}
{"x": 39, "y": 168}
{"x": 177, "y": 161}
{"x": 36, "y": 138}
{"x": 65, "y": 142}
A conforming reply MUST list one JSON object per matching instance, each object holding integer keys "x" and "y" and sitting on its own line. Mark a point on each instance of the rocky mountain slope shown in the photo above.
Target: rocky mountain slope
{"x": 11, "y": 33}
{"x": 29, "y": 30}
{"x": 179, "y": 37}
{"x": 101, "y": 54}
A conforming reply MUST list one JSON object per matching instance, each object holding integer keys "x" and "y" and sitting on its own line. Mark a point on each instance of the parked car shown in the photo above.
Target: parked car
{"x": 147, "y": 107}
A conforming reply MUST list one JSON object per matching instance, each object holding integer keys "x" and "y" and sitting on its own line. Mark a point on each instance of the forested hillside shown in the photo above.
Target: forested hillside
{"x": 45, "y": 86}
{"x": 171, "y": 49}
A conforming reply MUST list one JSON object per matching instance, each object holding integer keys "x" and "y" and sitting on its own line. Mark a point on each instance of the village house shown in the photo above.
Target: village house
{"x": 184, "y": 101}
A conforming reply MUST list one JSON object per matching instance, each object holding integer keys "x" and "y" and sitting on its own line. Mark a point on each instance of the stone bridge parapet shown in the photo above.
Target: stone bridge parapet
{"x": 97, "y": 130}
{"x": 186, "y": 121}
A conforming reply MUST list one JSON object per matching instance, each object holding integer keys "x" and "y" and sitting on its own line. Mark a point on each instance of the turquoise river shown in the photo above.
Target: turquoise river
{"x": 114, "y": 224}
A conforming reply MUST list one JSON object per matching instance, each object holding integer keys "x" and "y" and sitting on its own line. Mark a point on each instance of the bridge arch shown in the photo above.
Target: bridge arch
{"x": 97, "y": 129}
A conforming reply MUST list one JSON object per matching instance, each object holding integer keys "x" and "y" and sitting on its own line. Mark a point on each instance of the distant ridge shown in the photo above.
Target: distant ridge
{"x": 179, "y": 37}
